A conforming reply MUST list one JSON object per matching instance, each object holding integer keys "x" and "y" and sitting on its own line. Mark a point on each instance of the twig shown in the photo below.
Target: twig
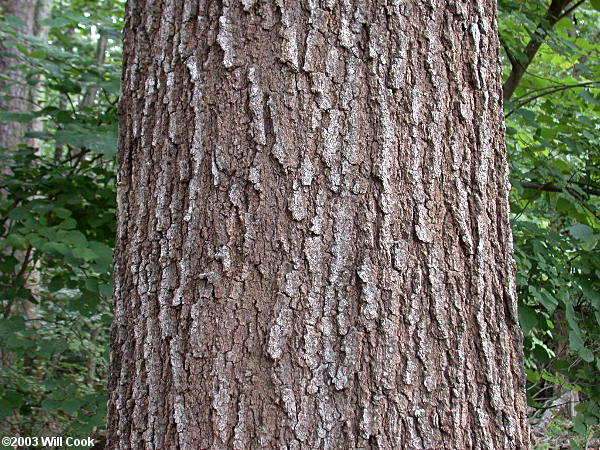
{"x": 550, "y": 91}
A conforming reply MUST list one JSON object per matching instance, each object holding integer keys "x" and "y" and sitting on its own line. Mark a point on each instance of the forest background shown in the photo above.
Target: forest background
{"x": 59, "y": 88}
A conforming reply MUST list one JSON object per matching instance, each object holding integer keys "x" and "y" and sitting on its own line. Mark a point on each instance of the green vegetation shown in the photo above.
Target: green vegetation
{"x": 553, "y": 140}
{"x": 57, "y": 206}
{"x": 57, "y": 211}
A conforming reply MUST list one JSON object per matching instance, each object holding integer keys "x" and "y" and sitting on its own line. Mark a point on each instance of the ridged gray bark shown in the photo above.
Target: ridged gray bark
{"x": 313, "y": 244}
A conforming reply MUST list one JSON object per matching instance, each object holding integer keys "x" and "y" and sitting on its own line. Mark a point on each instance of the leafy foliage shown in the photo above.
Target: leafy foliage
{"x": 57, "y": 206}
{"x": 553, "y": 140}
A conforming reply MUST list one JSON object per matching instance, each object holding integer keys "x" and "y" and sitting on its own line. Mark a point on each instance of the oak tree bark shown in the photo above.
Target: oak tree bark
{"x": 313, "y": 244}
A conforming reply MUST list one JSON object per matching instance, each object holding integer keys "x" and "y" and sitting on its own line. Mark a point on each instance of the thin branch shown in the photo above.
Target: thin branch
{"x": 553, "y": 86}
{"x": 25, "y": 262}
{"x": 547, "y": 92}
{"x": 550, "y": 187}
{"x": 511, "y": 58}
{"x": 522, "y": 211}
{"x": 18, "y": 275}
{"x": 77, "y": 161}
{"x": 557, "y": 405}
{"x": 90, "y": 94}
{"x": 72, "y": 104}
{"x": 72, "y": 157}
{"x": 552, "y": 15}
{"x": 571, "y": 9}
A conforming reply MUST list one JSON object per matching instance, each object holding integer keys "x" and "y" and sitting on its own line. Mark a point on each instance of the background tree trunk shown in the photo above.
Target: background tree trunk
{"x": 313, "y": 243}
{"x": 18, "y": 96}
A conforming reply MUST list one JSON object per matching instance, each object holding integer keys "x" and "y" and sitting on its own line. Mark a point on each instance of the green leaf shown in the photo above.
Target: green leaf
{"x": 91, "y": 285}
{"x": 73, "y": 237}
{"x": 67, "y": 86}
{"x": 84, "y": 253}
{"x": 19, "y": 213}
{"x": 582, "y": 232}
{"x": 579, "y": 424}
{"x": 62, "y": 213}
{"x": 51, "y": 347}
{"x": 559, "y": 381}
{"x": 532, "y": 375}
{"x": 112, "y": 87}
{"x": 23, "y": 117}
{"x": 105, "y": 289}
{"x": 68, "y": 224}
{"x": 590, "y": 292}
{"x": 12, "y": 324}
{"x": 586, "y": 354}
{"x": 71, "y": 405}
{"x": 575, "y": 340}
{"x": 101, "y": 140}
{"x": 55, "y": 247}
{"x": 570, "y": 315}
{"x": 532, "y": 194}
{"x": 16, "y": 240}
{"x": 565, "y": 205}
{"x": 595, "y": 4}
{"x": 527, "y": 318}
{"x": 14, "y": 21}
{"x": 57, "y": 283}
{"x": 38, "y": 53}
{"x": 51, "y": 405}
{"x": 12, "y": 399}
{"x": 57, "y": 22}
{"x": 7, "y": 264}
{"x": 544, "y": 298}
{"x": 42, "y": 135}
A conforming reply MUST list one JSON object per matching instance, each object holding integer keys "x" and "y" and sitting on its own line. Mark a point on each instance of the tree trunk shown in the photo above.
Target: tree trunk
{"x": 313, "y": 244}
{"x": 17, "y": 95}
